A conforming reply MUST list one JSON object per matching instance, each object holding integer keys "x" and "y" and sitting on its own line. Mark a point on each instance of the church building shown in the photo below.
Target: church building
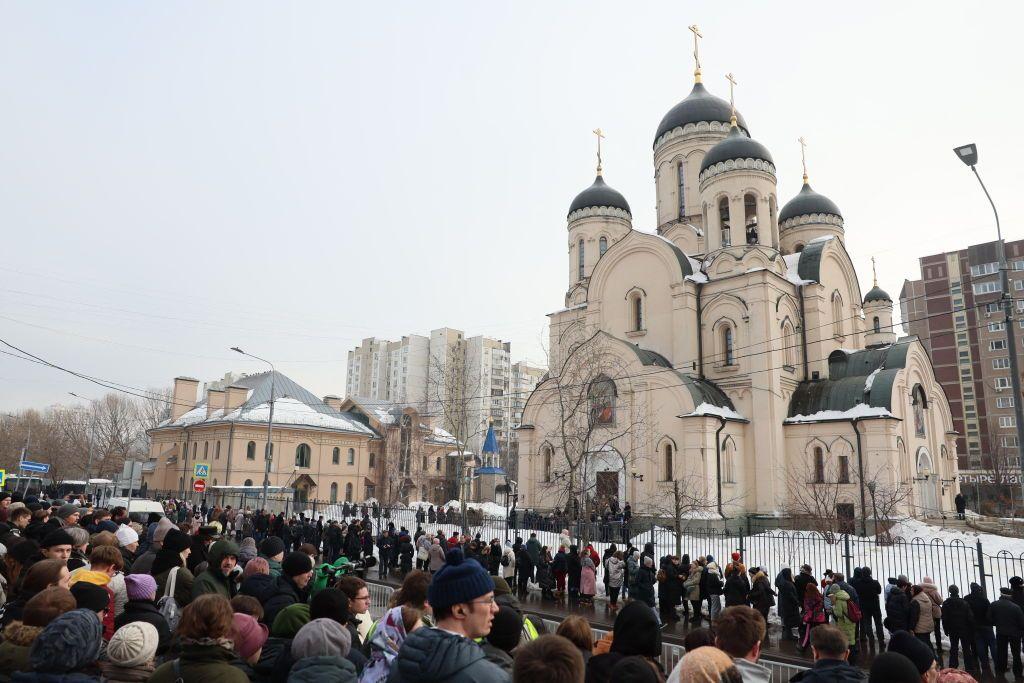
{"x": 730, "y": 349}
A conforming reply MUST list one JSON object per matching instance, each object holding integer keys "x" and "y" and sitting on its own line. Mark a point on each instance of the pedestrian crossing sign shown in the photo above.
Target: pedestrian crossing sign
{"x": 201, "y": 470}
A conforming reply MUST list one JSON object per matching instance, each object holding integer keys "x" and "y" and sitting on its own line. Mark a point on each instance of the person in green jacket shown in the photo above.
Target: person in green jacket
{"x": 206, "y": 646}
{"x": 841, "y": 612}
{"x": 221, "y": 571}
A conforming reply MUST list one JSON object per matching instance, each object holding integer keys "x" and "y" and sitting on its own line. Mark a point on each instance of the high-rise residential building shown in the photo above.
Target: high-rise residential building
{"x": 446, "y": 375}
{"x": 955, "y": 310}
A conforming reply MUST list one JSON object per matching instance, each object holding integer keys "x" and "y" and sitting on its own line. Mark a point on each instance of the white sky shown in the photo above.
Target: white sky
{"x": 178, "y": 178}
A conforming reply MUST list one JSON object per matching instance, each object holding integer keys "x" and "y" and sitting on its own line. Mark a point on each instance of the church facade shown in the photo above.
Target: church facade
{"x": 730, "y": 350}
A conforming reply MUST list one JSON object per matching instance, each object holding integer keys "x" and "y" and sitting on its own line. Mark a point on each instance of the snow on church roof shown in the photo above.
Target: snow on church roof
{"x": 708, "y": 410}
{"x": 860, "y": 410}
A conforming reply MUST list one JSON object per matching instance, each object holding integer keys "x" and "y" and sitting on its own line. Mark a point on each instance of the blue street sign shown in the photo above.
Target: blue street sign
{"x": 29, "y": 466}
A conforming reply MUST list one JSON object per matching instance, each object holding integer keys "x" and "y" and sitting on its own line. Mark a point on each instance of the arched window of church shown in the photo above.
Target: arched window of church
{"x": 819, "y": 465}
{"x": 248, "y": 482}
{"x": 837, "y": 314}
{"x": 729, "y": 462}
{"x": 666, "y": 462}
{"x": 636, "y": 311}
{"x": 334, "y": 492}
{"x": 602, "y": 245}
{"x": 250, "y": 450}
{"x": 844, "y": 469}
{"x": 723, "y": 219}
{"x": 728, "y": 355}
{"x": 302, "y": 455}
{"x": 682, "y": 188}
{"x": 546, "y": 455}
{"x": 602, "y": 395}
{"x": 789, "y": 344}
{"x": 437, "y": 465}
{"x": 750, "y": 218}
{"x": 579, "y": 259}
{"x": 919, "y": 404}
{"x": 336, "y": 456}
{"x": 348, "y": 492}
{"x": 877, "y": 325}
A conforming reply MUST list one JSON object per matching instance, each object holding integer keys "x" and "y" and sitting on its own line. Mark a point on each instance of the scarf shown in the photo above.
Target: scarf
{"x": 115, "y": 673}
{"x": 384, "y": 646}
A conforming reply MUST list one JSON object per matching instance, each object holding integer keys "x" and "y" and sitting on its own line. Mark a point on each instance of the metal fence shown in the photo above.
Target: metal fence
{"x": 946, "y": 563}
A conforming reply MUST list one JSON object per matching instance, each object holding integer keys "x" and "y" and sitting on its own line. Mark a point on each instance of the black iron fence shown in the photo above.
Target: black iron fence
{"x": 944, "y": 562}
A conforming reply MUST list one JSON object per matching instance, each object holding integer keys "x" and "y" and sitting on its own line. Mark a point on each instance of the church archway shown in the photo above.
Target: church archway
{"x": 925, "y": 482}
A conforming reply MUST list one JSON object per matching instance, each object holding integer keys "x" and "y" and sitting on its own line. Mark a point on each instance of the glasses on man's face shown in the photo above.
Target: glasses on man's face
{"x": 363, "y": 597}
{"x": 488, "y": 601}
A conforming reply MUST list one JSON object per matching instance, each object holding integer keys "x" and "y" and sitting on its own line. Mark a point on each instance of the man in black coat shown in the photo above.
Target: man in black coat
{"x": 805, "y": 577}
{"x": 1008, "y": 618}
{"x": 961, "y": 505}
{"x": 292, "y": 586}
{"x": 828, "y": 643}
{"x": 958, "y": 623}
{"x": 869, "y": 590}
{"x": 984, "y": 639}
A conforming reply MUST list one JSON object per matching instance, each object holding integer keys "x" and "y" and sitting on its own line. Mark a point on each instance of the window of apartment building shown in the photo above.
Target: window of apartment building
{"x": 1002, "y": 383}
{"x": 1018, "y": 265}
{"x": 996, "y": 327}
{"x": 986, "y": 287}
{"x": 1000, "y": 363}
{"x": 1004, "y": 401}
{"x": 1018, "y": 285}
{"x": 997, "y": 345}
{"x": 1010, "y": 441}
{"x": 1007, "y": 421}
{"x": 984, "y": 269}
{"x": 991, "y": 308}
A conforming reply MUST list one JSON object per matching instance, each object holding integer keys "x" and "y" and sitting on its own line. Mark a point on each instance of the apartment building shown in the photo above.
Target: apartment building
{"x": 956, "y": 311}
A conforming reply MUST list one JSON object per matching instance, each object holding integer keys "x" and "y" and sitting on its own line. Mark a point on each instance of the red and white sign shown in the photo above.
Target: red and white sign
{"x": 199, "y": 486}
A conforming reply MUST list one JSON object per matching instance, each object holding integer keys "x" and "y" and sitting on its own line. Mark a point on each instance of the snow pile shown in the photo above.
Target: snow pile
{"x": 793, "y": 270}
{"x": 489, "y": 509}
{"x": 708, "y": 410}
{"x": 871, "y": 380}
{"x": 858, "y": 411}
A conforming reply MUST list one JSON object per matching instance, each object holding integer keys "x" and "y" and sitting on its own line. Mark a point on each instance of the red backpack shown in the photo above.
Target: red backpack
{"x": 853, "y": 612}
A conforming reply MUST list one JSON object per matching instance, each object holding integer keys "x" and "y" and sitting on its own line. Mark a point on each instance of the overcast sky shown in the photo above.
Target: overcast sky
{"x": 179, "y": 178}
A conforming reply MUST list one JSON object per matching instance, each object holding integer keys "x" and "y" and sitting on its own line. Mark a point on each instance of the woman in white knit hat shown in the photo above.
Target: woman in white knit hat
{"x": 130, "y": 653}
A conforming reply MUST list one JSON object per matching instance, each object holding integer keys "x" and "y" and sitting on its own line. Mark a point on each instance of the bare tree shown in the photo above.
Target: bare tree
{"x": 814, "y": 490}
{"x": 685, "y": 500}
{"x": 592, "y": 417}
{"x": 889, "y": 495}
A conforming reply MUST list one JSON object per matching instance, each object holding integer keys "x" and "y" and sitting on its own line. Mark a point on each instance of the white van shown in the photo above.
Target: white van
{"x": 139, "y": 509}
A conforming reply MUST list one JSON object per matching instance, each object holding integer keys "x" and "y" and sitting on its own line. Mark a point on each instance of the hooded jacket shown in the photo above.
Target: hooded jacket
{"x": 615, "y": 570}
{"x": 206, "y": 663}
{"x": 841, "y": 612}
{"x": 260, "y": 586}
{"x": 636, "y": 632}
{"x": 212, "y": 580}
{"x": 789, "y": 604}
{"x": 321, "y": 669}
{"x": 897, "y": 611}
{"x": 15, "y": 647}
{"x": 286, "y": 593}
{"x": 869, "y": 591}
{"x": 430, "y": 655}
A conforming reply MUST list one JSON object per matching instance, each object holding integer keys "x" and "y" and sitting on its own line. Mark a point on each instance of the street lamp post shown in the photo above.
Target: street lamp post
{"x": 92, "y": 436}
{"x": 268, "y": 453}
{"x": 969, "y": 155}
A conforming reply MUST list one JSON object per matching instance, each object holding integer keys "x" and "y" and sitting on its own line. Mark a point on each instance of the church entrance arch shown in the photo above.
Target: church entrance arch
{"x": 606, "y": 477}
{"x": 926, "y": 481}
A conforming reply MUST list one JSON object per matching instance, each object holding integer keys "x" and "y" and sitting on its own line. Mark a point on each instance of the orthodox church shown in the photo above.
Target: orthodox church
{"x": 730, "y": 348}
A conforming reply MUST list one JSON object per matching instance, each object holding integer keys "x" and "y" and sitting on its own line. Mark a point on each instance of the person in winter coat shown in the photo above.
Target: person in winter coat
{"x": 1008, "y": 619}
{"x": 206, "y": 646}
{"x": 507, "y": 564}
{"x": 841, "y": 613}
{"x": 142, "y": 607}
{"x": 789, "y": 603}
{"x": 564, "y": 539}
{"x": 533, "y": 550}
{"x": 932, "y": 591}
{"x": 435, "y": 556}
{"x": 588, "y": 580}
{"x": 20, "y": 634}
{"x": 803, "y": 578}
{"x": 813, "y": 614}
{"x": 958, "y": 622}
{"x": 494, "y": 553}
{"x": 291, "y": 586}
{"x": 575, "y": 568}
{"x": 645, "y": 580}
{"x": 405, "y": 553}
{"x": 545, "y": 579}
{"x": 171, "y": 560}
{"x": 526, "y": 570}
{"x": 736, "y": 586}
{"x": 831, "y": 663}
{"x": 130, "y": 653}
{"x": 219, "y": 576}
{"x": 560, "y": 569}
{"x": 319, "y": 651}
{"x": 761, "y": 596}
{"x": 984, "y": 636}
{"x": 897, "y": 610}
{"x": 711, "y": 589}
{"x": 669, "y": 589}
{"x": 615, "y": 570}
{"x": 919, "y": 616}
{"x": 691, "y": 589}
{"x": 869, "y": 591}
{"x": 66, "y": 650}
{"x": 636, "y": 633}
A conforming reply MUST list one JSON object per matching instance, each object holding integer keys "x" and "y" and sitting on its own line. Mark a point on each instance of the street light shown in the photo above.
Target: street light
{"x": 969, "y": 155}
{"x": 268, "y": 453}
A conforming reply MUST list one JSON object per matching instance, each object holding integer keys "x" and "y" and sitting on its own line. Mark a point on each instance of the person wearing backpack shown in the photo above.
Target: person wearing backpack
{"x": 173, "y": 579}
{"x": 206, "y": 646}
{"x": 844, "y": 610}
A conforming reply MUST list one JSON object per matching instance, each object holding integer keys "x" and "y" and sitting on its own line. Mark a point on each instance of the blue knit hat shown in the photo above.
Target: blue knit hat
{"x": 459, "y": 580}
{"x": 68, "y": 643}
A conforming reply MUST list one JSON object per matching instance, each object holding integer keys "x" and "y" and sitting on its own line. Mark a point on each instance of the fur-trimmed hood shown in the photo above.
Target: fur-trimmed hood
{"x": 20, "y": 634}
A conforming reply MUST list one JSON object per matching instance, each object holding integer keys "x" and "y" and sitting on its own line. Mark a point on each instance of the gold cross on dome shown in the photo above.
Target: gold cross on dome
{"x": 697, "y": 35}
{"x": 803, "y": 154}
{"x": 600, "y": 134}
{"x": 732, "y": 98}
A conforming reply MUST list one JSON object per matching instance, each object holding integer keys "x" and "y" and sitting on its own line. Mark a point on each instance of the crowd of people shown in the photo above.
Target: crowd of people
{"x": 213, "y": 594}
